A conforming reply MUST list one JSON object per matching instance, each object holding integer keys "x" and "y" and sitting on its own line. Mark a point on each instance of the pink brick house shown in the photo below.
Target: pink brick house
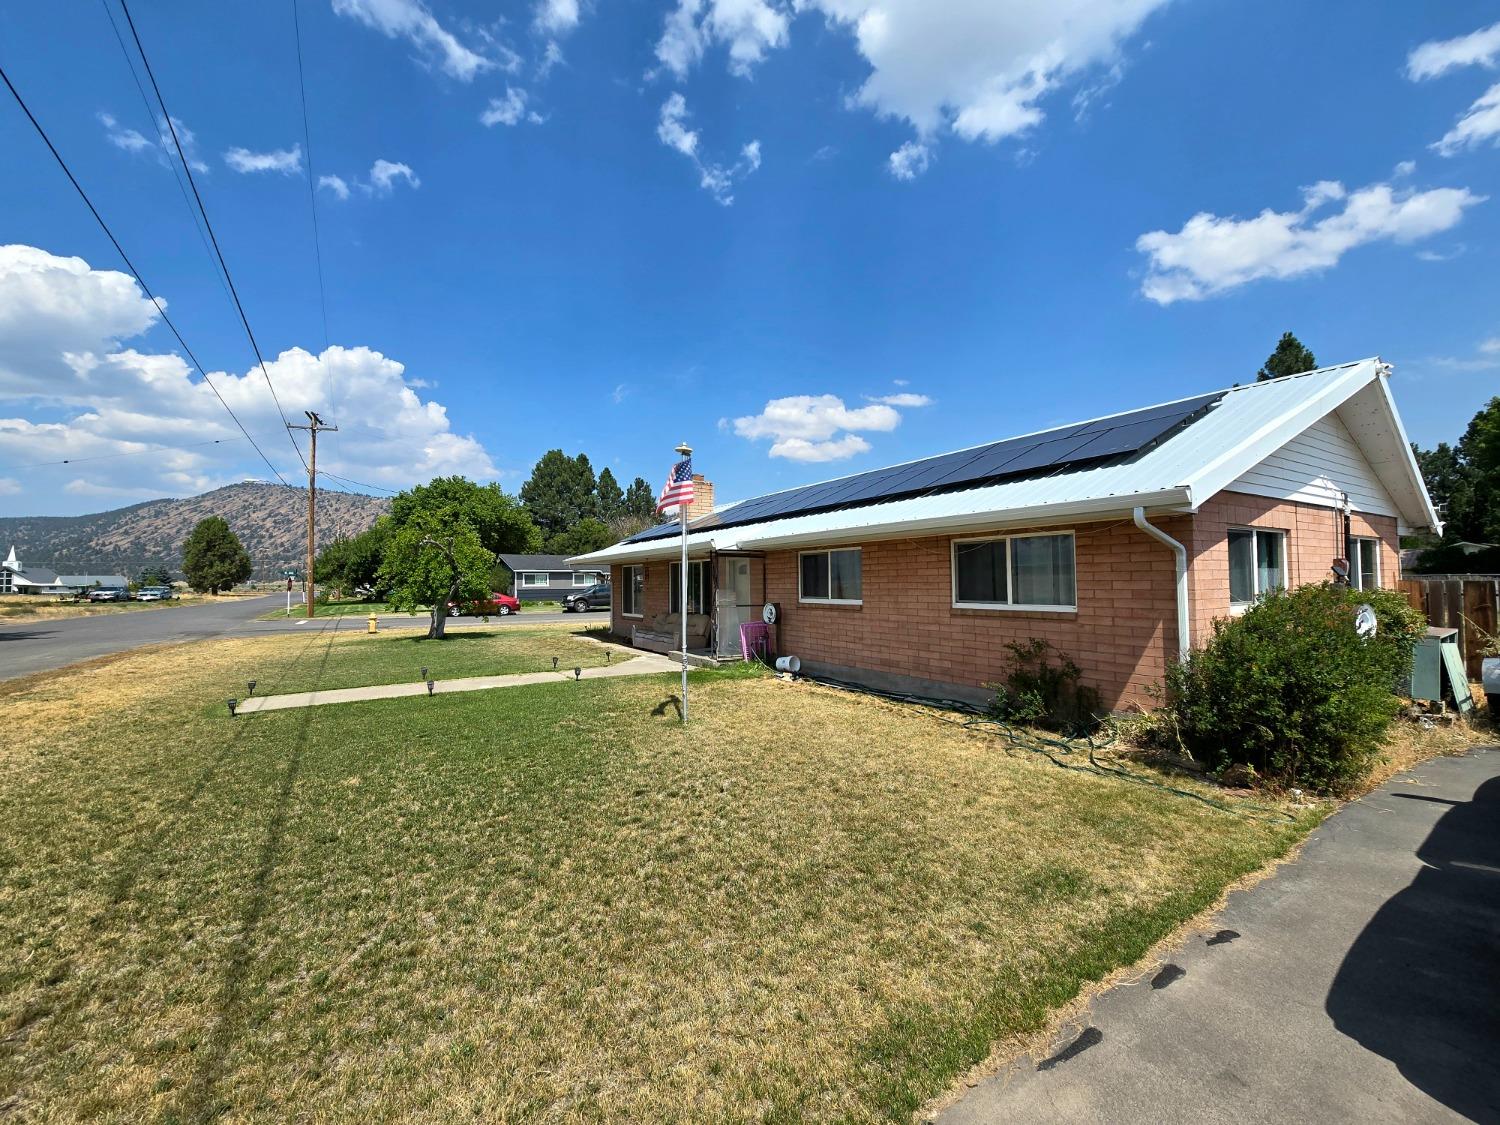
{"x": 1117, "y": 540}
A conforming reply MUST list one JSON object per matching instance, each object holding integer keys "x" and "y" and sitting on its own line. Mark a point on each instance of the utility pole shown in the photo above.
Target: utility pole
{"x": 314, "y": 427}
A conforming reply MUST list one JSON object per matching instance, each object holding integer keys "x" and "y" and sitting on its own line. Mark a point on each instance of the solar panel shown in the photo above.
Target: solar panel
{"x": 1072, "y": 446}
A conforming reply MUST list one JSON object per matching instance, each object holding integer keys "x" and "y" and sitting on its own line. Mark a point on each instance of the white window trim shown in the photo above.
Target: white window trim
{"x": 832, "y": 601}
{"x": 627, "y": 582}
{"x": 1354, "y": 563}
{"x": 544, "y": 575}
{"x": 589, "y": 578}
{"x": 1011, "y": 607}
{"x": 1237, "y": 608}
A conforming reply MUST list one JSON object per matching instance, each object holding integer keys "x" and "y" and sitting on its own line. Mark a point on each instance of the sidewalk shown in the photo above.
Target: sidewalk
{"x": 646, "y": 664}
{"x": 1360, "y": 982}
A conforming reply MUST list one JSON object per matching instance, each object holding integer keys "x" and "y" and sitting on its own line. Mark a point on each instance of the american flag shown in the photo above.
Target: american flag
{"x": 678, "y": 491}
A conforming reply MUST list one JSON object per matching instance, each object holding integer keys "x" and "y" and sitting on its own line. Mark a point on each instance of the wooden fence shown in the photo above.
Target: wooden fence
{"x": 1469, "y": 603}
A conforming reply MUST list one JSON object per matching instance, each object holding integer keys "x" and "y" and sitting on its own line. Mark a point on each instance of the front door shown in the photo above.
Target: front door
{"x": 733, "y": 606}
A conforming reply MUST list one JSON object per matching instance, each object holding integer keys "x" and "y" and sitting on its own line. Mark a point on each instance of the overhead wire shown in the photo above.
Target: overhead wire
{"x": 152, "y": 120}
{"x": 113, "y": 456}
{"x": 219, "y": 253}
{"x": 357, "y": 483}
{"x": 124, "y": 257}
{"x": 312, "y": 195}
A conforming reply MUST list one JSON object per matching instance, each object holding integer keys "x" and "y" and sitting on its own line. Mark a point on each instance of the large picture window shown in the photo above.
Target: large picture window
{"x": 1015, "y": 572}
{"x": 1257, "y": 564}
{"x": 1364, "y": 566}
{"x": 632, "y": 590}
{"x": 836, "y": 577}
{"x": 699, "y": 594}
{"x": 535, "y": 578}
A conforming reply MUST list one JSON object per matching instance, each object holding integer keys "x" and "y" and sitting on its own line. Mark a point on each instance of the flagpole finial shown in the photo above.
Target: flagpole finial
{"x": 685, "y": 449}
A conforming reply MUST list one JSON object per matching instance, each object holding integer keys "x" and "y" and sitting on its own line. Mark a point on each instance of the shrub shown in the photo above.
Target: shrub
{"x": 1038, "y": 691}
{"x": 1292, "y": 691}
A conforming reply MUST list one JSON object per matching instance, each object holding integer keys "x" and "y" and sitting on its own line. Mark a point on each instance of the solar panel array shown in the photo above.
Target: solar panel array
{"x": 1084, "y": 443}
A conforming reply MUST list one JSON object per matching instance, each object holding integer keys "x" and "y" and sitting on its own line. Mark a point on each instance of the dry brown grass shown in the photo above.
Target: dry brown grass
{"x": 26, "y": 607}
{"x": 549, "y": 903}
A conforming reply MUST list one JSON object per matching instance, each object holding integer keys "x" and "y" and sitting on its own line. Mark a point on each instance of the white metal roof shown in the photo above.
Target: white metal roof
{"x": 1247, "y": 425}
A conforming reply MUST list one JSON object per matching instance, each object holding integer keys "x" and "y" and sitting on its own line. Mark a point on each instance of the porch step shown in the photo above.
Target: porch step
{"x": 697, "y": 659}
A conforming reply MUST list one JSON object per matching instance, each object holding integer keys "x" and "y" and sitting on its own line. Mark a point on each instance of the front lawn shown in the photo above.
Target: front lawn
{"x": 357, "y": 659}
{"x": 548, "y": 902}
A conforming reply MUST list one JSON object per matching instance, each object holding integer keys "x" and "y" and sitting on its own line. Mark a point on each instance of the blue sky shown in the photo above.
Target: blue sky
{"x": 772, "y": 229}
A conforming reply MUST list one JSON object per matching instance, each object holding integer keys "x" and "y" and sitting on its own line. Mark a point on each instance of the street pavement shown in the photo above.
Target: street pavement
{"x": 42, "y": 646}
{"x": 1360, "y": 982}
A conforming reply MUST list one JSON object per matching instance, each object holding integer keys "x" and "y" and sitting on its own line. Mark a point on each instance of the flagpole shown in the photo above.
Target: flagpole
{"x": 684, "y": 451}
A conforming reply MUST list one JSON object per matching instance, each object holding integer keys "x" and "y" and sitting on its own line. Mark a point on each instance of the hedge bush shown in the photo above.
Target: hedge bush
{"x": 1292, "y": 691}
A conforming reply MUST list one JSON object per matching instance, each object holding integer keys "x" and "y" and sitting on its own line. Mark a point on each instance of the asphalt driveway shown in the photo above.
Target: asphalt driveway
{"x": 1361, "y": 982}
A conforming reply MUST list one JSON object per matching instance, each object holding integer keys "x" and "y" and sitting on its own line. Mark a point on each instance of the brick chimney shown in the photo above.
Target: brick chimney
{"x": 703, "y": 498}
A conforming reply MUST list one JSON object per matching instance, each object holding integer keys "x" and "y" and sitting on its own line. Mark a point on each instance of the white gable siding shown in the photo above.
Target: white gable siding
{"x": 1316, "y": 467}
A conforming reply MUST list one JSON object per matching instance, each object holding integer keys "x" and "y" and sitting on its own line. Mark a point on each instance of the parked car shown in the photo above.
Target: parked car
{"x": 496, "y": 605}
{"x": 109, "y": 594}
{"x": 147, "y": 596}
{"x": 595, "y": 597}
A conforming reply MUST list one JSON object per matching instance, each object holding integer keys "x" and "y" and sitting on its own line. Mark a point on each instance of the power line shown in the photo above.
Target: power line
{"x": 312, "y": 193}
{"x": 141, "y": 281}
{"x": 192, "y": 183}
{"x": 113, "y": 456}
{"x": 358, "y": 483}
{"x": 151, "y": 120}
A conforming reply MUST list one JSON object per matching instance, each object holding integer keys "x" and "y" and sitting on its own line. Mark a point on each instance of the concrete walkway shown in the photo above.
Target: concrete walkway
{"x": 646, "y": 664}
{"x": 1360, "y": 982}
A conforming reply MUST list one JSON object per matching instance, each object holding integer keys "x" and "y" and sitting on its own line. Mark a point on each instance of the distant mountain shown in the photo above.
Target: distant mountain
{"x": 270, "y": 519}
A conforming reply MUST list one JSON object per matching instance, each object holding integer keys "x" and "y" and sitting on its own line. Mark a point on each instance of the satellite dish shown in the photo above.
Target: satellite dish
{"x": 1364, "y": 620}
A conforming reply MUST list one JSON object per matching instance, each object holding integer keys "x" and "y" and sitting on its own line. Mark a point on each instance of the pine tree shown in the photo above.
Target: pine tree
{"x": 1289, "y": 358}
{"x": 611, "y": 498}
{"x": 640, "y": 501}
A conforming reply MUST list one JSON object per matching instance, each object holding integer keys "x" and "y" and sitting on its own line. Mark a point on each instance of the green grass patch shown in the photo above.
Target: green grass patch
{"x": 333, "y": 609}
{"x": 550, "y": 902}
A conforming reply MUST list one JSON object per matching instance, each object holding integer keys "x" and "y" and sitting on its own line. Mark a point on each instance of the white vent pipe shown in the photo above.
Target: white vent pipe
{"x": 1184, "y": 614}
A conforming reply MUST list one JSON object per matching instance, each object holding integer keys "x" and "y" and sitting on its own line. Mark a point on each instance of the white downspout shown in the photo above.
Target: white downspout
{"x": 1184, "y": 637}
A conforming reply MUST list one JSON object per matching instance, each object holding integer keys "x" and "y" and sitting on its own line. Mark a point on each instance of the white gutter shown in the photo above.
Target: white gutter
{"x": 1184, "y": 616}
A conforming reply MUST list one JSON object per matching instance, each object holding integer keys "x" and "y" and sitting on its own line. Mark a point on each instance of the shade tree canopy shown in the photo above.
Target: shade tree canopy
{"x": 213, "y": 558}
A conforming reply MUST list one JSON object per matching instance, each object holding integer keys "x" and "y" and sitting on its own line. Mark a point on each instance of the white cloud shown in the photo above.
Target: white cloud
{"x": 557, "y": 17}
{"x": 1490, "y": 346}
{"x": 1439, "y": 255}
{"x": 1478, "y": 48}
{"x": 287, "y": 161}
{"x": 63, "y": 352}
{"x": 384, "y": 173}
{"x": 9, "y": 486}
{"x": 749, "y": 28}
{"x": 121, "y": 137}
{"x": 1480, "y": 123}
{"x": 410, "y": 20}
{"x": 717, "y": 179}
{"x": 910, "y": 161}
{"x": 551, "y": 57}
{"x": 163, "y": 147}
{"x": 906, "y": 398}
{"x": 335, "y": 184}
{"x": 1404, "y": 168}
{"x": 980, "y": 68}
{"x": 1213, "y": 254}
{"x": 817, "y": 427}
{"x": 509, "y": 110}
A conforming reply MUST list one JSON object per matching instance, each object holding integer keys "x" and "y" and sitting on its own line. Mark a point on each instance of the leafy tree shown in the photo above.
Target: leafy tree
{"x": 155, "y": 576}
{"x": 213, "y": 558}
{"x": 501, "y": 524}
{"x": 640, "y": 502}
{"x": 434, "y": 558}
{"x": 351, "y": 562}
{"x": 583, "y": 537}
{"x": 560, "y": 493}
{"x": 625, "y": 525}
{"x": 611, "y": 498}
{"x": 1464, "y": 481}
{"x": 1289, "y": 358}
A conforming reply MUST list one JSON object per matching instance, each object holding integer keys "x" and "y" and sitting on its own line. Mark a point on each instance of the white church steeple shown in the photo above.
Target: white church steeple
{"x": 11, "y": 561}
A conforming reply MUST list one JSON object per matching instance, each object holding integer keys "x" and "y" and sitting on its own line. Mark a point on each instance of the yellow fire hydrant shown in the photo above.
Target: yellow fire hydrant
{"x": 374, "y": 623}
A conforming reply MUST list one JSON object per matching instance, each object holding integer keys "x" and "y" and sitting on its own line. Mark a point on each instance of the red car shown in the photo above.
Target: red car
{"x": 496, "y": 605}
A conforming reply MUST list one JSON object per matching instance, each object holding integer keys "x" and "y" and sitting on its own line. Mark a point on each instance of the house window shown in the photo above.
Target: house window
{"x": 831, "y": 576}
{"x": 1364, "y": 566}
{"x": 633, "y": 590}
{"x": 1015, "y": 572}
{"x": 1257, "y": 564}
{"x": 535, "y": 578}
{"x": 699, "y": 597}
{"x": 584, "y": 578}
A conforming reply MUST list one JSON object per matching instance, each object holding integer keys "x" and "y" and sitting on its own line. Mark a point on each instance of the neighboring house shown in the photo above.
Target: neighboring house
{"x": 18, "y": 579}
{"x": 1118, "y": 541}
{"x": 544, "y": 578}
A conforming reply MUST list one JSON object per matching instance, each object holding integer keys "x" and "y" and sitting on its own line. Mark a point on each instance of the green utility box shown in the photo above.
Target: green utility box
{"x": 1438, "y": 659}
